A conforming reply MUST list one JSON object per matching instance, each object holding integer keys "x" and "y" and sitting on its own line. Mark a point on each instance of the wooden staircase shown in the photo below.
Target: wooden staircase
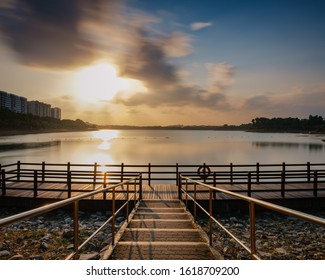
{"x": 162, "y": 229}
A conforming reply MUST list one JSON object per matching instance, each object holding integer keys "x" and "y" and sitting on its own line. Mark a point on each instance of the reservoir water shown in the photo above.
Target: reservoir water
{"x": 163, "y": 147}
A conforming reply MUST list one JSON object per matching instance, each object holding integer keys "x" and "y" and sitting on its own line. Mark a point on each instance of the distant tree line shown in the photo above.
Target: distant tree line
{"x": 312, "y": 124}
{"x": 14, "y": 121}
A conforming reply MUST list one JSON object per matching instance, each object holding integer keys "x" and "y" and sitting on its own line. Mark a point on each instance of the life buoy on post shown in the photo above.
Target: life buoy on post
{"x": 204, "y": 171}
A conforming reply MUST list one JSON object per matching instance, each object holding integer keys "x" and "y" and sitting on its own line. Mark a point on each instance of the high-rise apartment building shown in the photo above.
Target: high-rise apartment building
{"x": 13, "y": 102}
{"x": 56, "y": 113}
{"x": 40, "y": 109}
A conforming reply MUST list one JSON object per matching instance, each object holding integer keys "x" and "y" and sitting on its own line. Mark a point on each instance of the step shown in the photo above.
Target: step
{"x": 160, "y": 204}
{"x": 162, "y": 251}
{"x": 160, "y": 210}
{"x": 158, "y": 235}
{"x": 161, "y": 223}
{"x": 146, "y": 216}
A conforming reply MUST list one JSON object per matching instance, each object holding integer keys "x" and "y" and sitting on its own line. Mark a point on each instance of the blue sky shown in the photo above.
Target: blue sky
{"x": 222, "y": 61}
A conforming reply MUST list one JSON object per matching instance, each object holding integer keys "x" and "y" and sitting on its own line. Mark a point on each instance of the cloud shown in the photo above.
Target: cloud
{"x": 68, "y": 34}
{"x": 199, "y": 25}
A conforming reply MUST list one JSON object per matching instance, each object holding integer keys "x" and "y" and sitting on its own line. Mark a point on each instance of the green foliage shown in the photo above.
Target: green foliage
{"x": 14, "y": 121}
{"x": 312, "y": 124}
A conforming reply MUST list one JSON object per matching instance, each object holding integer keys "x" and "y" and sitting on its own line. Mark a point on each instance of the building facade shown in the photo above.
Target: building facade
{"x": 12, "y": 102}
{"x": 40, "y": 109}
{"x": 56, "y": 113}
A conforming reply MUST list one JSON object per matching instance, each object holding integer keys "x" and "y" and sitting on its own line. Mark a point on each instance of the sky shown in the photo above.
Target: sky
{"x": 144, "y": 62}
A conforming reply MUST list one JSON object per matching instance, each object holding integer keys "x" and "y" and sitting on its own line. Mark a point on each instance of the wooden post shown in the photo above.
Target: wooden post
{"x": 43, "y": 171}
{"x": 68, "y": 166}
{"x": 95, "y": 175}
{"x": 231, "y": 173}
{"x": 257, "y": 172}
{"x": 149, "y": 174}
{"x": 3, "y": 181}
{"x": 315, "y": 183}
{"x": 122, "y": 172}
{"x": 308, "y": 172}
{"x": 177, "y": 177}
{"x": 283, "y": 179}
{"x": 69, "y": 183}
{"x": 35, "y": 183}
{"x": 18, "y": 170}
{"x": 140, "y": 186}
{"x": 179, "y": 187}
{"x": 186, "y": 193}
{"x": 204, "y": 169}
{"x": 249, "y": 185}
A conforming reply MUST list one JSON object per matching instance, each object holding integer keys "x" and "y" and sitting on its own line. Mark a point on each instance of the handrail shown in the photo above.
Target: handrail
{"x": 47, "y": 208}
{"x": 252, "y": 202}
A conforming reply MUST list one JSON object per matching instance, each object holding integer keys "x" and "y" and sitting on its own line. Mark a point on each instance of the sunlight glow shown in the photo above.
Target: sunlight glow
{"x": 106, "y": 136}
{"x": 100, "y": 82}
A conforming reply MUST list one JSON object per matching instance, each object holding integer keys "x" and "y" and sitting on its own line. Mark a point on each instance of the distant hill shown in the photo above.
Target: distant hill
{"x": 314, "y": 124}
{"x": 10, "y": 121}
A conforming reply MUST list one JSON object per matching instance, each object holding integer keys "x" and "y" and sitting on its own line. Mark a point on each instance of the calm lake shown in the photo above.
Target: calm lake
{"x": 163, "y": 147}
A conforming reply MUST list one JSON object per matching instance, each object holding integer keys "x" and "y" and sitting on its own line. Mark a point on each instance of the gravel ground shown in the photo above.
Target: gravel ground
{"x": 51, "y": 236}
{"x": 277, "y": 237}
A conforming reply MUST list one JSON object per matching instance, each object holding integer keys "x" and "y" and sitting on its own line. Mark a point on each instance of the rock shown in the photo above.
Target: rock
{"x": 36, "y": 257}
{"x": 67, "y": 233}
{"x": 44, "y": 245}
{"x": 17, "y": 257}
{"x": 264, "y": 255}
{"x": 4, "y": 253}
{"x": 89, "y": 256}
{"x": 120, "y": 219}
{"x": 281, "y": 251}
{"x": 233, "y": 219}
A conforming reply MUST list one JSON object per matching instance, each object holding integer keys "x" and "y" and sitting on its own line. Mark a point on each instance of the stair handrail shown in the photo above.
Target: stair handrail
{"x": 252, "y": 202}
{"x": 75, "y": 201}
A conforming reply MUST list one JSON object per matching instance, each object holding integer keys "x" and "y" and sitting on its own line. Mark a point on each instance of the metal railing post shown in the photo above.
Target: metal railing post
{"x": 194, "y": 202}
{"x": 127, "y": 201}
{"x": 113, "y": 215}
{"x": 76, "y": 229}
{"x": 315, "y": 183}
{"x": 35, "y": 183}
{"x": 210, "y": 218}
{"x": 186, "y": 193}
{"x": 252, "y": 228}
{"x": 3, "y": 182}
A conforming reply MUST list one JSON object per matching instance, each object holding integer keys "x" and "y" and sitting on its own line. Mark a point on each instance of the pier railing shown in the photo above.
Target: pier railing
{"x": 133, "y": 188}
{"x": 186, "y": 196}
{"x": 108, "y": 174}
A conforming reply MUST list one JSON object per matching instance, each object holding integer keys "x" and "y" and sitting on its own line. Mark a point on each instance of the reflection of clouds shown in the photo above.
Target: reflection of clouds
{"x": 287, "y": 145}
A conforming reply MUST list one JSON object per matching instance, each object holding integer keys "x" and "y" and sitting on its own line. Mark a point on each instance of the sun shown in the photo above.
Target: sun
{"x": 100, "y": 81}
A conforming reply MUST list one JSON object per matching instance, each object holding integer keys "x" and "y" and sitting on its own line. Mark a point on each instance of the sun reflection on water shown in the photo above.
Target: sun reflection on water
{"x": 106, "y": 136}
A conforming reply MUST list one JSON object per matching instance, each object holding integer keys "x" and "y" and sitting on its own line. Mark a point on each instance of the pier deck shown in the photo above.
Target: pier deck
{"x": 164, "y": 191}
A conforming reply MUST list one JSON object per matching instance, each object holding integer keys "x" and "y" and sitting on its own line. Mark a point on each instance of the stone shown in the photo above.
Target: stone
{"x": 36, "y": 257}
{"x": 17, "y": 257}
{"x": 281, "y": 251}
{"x": 44, "y": 245}
{"x": 89, "y": 256}
{"x": 4, "y": 253}
{"x": 67, "y": 233}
